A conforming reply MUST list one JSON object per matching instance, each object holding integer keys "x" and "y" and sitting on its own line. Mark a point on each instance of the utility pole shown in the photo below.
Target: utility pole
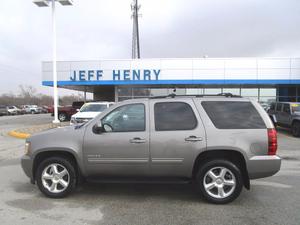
{"x": 135, "y": 31}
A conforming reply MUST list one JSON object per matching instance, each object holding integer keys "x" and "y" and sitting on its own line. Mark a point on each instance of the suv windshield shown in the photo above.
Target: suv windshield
{"x": 93, "y": 108}
{"x": 295, "y": 107}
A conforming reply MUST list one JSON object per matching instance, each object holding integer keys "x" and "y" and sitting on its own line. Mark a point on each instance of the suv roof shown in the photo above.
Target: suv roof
{"x": 173, "y": 97}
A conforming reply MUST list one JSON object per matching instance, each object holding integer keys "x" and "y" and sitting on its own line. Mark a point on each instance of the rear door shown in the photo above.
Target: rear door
{"x": 177, "y": 136}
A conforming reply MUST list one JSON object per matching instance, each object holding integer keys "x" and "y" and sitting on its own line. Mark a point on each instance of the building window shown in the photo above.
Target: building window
{"x": 158, "y": 91}
{"x": 194, "y": 91}
{"x": 234, "y": 91}
{"x": 140, "y": 92}
{"x": 212, "y": 91}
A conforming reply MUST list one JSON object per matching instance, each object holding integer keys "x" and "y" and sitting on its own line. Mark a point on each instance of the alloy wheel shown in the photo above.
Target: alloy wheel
{"x": 55, "y": 178}
{"x": 219, "y": 182}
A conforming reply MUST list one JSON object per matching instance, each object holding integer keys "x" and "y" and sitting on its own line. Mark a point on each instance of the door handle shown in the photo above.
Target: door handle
{"x": 137, "y": 140}
{"x": 193, "y": 138}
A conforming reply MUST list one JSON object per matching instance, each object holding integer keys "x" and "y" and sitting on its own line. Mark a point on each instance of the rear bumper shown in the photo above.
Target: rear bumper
{"x": 263, "y": 166}
{"x": 26, "y": 163}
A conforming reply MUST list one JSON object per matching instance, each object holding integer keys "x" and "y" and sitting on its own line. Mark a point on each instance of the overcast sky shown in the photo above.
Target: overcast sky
{"x": 100, "y": 29}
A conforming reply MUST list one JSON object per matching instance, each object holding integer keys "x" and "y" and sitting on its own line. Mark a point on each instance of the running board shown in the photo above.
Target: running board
{"x": 130, "y": 180}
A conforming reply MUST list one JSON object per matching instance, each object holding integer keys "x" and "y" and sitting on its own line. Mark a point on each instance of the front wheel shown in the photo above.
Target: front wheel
{"x": 220, "y": 181}
{"x": 62, "y": 117}
{"x": 56, "y": 177}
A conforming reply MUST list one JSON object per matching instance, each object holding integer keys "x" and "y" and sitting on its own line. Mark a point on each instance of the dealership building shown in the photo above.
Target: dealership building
{"x": 262, "y": 79}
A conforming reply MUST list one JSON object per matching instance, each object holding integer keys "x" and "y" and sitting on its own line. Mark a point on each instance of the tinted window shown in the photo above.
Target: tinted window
{"x": 126, "y": 118}
{"x": 233, "y": 115}
{"x": 278, "y": 107}
{"x": 174, "y": 116}
{"x": 286, "y": 108}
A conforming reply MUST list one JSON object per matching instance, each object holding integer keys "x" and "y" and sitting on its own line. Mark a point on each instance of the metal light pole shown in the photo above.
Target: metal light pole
{"x": 135, "y": 31}
{"x": 45, "y": 3}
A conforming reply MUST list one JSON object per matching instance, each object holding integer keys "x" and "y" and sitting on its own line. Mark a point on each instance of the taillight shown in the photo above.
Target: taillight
{"x": 272, "y": 139}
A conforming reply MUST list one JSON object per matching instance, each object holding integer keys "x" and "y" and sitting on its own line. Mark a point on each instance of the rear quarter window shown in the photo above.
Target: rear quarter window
{"x": 233, "y": 115}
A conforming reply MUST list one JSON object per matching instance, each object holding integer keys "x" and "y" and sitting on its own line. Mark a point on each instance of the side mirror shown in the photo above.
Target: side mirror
{"x": 97, "y": 128}
{"x": 77, "y": 110}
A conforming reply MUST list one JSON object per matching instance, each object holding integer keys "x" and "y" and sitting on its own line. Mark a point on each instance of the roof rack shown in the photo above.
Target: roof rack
{"x": 173, "y": 95}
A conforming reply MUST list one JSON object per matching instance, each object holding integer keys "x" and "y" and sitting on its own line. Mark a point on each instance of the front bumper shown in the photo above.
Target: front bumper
{"x": 27, "y": 163}
{"x": 263, "y": 166}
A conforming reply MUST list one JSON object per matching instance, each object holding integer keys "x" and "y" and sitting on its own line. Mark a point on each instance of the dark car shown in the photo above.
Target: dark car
{"x": 65, "y": 112}
{"x": 286, "y": 114}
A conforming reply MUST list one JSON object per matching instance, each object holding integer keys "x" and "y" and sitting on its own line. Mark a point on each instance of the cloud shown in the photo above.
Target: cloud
{"x": 98, "y": 29}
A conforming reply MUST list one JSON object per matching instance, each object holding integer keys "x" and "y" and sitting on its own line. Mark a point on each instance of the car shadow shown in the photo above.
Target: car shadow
{"x": 118, "y": 191}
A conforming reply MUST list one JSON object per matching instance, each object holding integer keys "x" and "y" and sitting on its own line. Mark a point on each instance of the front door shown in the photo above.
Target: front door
{"x": 123, "y": 148}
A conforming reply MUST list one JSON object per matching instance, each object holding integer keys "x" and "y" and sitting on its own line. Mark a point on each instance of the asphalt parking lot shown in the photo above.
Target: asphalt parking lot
{"x": 273, "y": 200}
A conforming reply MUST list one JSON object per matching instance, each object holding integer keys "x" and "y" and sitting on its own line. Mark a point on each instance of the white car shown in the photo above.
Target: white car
{"x": 13, "y": 110}
{"x": 88, "y": 111}
{"x": 33, "y": 109}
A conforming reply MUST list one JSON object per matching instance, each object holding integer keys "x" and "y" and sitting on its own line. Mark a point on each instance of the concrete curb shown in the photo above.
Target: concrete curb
{"x": 26, "y": 132}
{"x": 17, "y": 134}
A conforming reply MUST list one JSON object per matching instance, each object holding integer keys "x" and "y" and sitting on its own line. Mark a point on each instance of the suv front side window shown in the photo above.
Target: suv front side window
{"x": 127, "y": 118}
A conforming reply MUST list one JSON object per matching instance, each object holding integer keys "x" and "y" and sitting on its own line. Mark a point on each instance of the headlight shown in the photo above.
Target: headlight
{"x": 27, "y": 148}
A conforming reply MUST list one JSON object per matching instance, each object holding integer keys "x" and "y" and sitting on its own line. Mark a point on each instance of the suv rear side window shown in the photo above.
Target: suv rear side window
{"x": 233, "y": 115}
{"x": 174, "y": 116}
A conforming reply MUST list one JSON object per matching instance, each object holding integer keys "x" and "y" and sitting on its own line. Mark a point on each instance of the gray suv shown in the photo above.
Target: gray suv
{"x": 286, "y": 114}
{"x": 218, "y": 143}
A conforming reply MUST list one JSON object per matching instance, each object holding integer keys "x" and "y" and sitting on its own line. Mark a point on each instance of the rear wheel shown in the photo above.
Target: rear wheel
{"x": 296, "y": 129}
{"x": 56, "y": 177}
{"x": 220, "y": 181}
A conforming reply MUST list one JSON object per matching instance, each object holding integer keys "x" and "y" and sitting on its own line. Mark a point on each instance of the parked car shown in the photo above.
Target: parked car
{"x": 33, "y": 109}
{"x": 46, "y": 109}
{"x": 3, "y": 110}
{"x": 88, "y": 111}
{"x": 13, "y": 110}
{"x": 286, "y": 114}
{"x": 219, "y": 143}
{"x": 65, "y": 112}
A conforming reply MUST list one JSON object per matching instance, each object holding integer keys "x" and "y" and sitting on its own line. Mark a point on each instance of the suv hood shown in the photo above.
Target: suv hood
{"x": 69, "y": 137}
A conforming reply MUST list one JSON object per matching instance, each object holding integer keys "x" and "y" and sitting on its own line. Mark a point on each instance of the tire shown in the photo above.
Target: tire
{"x": 62, "y": 117}
{"x": 296, "y": 129}
{"x": 32, "y": 112}
{"x": 61, "y": 183}
{"x": 213, "y": 193}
